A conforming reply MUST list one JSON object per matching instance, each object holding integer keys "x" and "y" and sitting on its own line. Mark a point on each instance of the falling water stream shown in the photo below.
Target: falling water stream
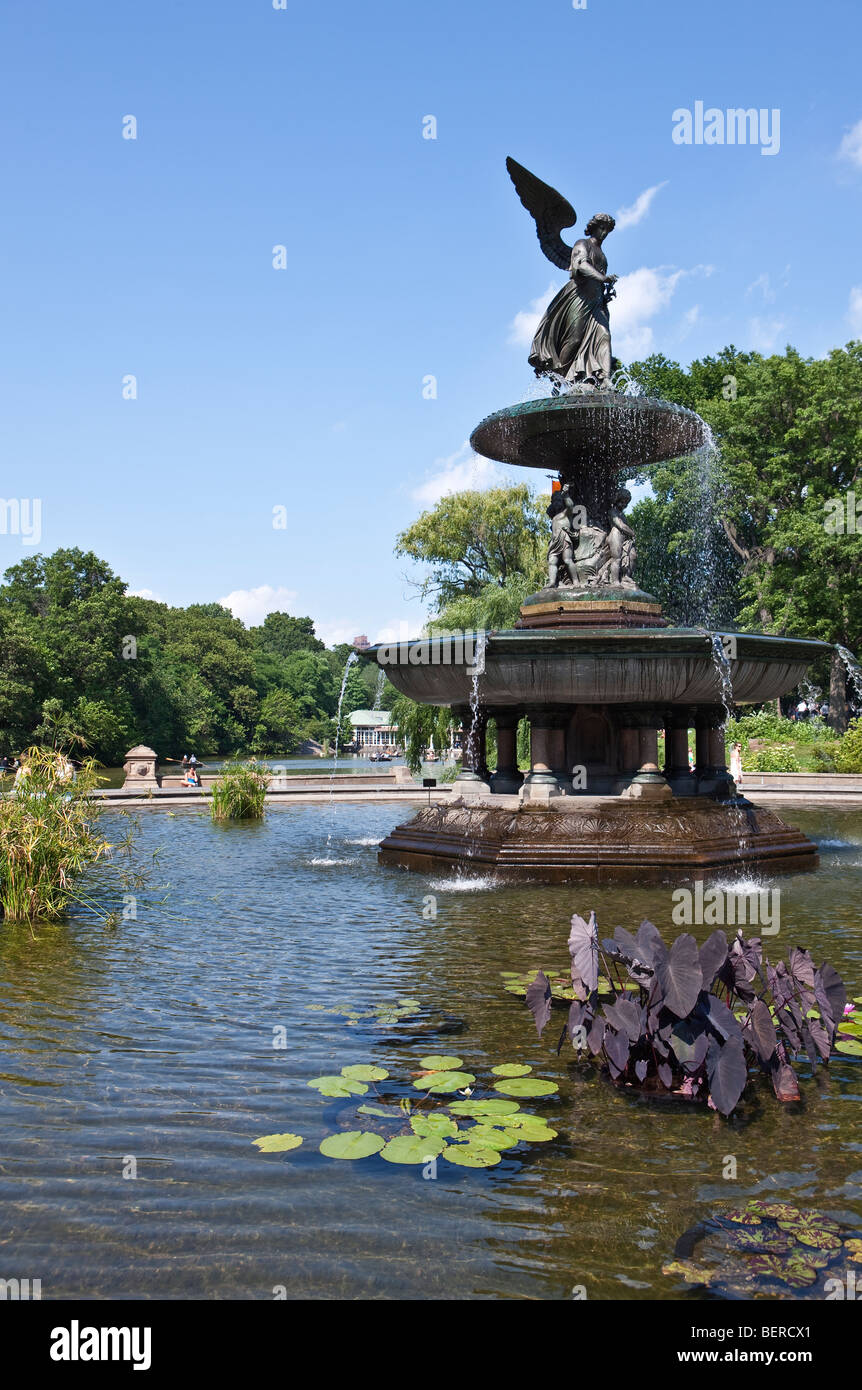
{"x": 378, "y": 694}
{"x": 854, "y": 674}
{"x": 353, "y": 657}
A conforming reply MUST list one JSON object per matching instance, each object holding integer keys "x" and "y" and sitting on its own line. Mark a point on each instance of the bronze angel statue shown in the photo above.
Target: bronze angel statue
{"x": 573, "y": 340}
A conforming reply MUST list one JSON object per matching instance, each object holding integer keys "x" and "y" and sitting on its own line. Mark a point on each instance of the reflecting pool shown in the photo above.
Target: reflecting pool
{"x": 154, "y": 1042}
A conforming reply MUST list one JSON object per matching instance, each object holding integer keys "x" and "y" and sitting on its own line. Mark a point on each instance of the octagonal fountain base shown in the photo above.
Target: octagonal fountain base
{"x": 599, "y": 840}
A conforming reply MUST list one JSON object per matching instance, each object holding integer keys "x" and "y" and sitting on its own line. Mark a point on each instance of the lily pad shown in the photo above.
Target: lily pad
{"x": 391, "y": 1112}
{"x": 444, "y": 1082}
{"x": 483, "y": 1107}
{"x": 511, "y": 1069}
{"x": 277, "y": 1143}
{"x": 787, "y": 1271}
{"x": 439, "y": 1125}
{"x": 854, "y": 1250}
{"x": 526, "y": 1086}
{"x": 761, "y": 1239}
{"x": 435, "y": 1063}
{"x": 746, "y": 1216}
{"x": 413, "y": 1148}
{"x": 491, "y": 1137}
{"x": 472, "y": 1155}
{"x": 773, "y": 1211}
{"x": 338, "y": 1086}
{"x": 354, "y": 1143}
{"x": 816, "y": 1237}
{"x": 808, "y": 1221}
{"x": 361, "y": 1072}
{"x": 531, "y": 1128}
{"x": 851, "y": 1047}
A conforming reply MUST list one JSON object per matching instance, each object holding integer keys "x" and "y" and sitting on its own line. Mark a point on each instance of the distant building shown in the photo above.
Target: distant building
{"x": 372, "y": 730}
{"x": 361, "y": 642}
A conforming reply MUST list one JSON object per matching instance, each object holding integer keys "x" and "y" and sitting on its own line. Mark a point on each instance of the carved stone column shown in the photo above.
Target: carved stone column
{"x": 507, "y": 779}
{"x": 677, "y": 771}
{"x": 541, "y": 781}
{"x": 713, "y": 778}
{"x": 472, "y": 777}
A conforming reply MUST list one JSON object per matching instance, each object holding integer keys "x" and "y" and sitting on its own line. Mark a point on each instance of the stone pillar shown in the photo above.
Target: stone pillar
{"x": 142, "y": 769}
{"x": 507, "y": 779}
{"x": 541, "y": 782}
{"x": 713, "y": 778}
{"x": 677, "y": 771}
{"x": 629, "y": 750}
{"x": 648, "y": 748}
{"x": 648, "y": 784}
{"x": 557, "y": 753}
{"x": 470, "y": 780}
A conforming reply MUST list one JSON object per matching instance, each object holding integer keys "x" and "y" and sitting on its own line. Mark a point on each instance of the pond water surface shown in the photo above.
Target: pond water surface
{"x": 154, "y": 1042}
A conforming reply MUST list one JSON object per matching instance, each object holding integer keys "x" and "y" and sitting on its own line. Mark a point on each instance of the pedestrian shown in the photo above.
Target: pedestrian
{"x": 736, "y": 763}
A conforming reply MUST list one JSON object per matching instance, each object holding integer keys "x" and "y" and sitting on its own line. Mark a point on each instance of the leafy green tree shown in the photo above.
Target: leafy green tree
{"x": 790, "y": 431}
{"x": 282, "y": 635}
{"x": 280, "y": 726}
{"x": 473, "y": 539}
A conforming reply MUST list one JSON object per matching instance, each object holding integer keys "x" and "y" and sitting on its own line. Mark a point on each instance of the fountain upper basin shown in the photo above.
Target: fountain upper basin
{"x": 618, "y": 433}
{"x": 562, "y": 666}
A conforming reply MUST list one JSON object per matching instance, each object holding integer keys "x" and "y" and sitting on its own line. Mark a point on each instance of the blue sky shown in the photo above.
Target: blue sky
{"x": 406, "y": 257}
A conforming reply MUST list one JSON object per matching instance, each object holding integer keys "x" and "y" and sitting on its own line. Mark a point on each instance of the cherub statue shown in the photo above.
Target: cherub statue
{"x": 564, "y": 538}
{"x": 573, "y": 340}
{"x": 621, "y": 543}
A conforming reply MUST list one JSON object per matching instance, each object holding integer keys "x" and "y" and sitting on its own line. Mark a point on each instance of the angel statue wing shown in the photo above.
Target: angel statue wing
{"x": 549, "y": 210}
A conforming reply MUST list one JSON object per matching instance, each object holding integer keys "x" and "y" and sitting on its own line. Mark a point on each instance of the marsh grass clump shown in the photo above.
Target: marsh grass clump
{"x": 240, "y": 793}
{"x": 50, "y": 837}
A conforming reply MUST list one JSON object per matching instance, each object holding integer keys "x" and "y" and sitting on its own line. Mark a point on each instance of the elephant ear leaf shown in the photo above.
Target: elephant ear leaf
{"x": 680, "y": 976}
{"x": 783, "y": 1079}
{"x": 727, "y": 1072}
{"x": 584, "y": 950}
{"x": 761, "y": 1032}
{"x": 539, "y": 1001}
{"x": 650, "y": 941}
{"x": 617, "y": 1049}
{"x": 832, "y": 985}
{"x": 713, "y": 955}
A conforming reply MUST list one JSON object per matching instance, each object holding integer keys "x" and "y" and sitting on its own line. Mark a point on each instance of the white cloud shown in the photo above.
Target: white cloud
{"x": 762, "y": 283}
{"x": 252, "y": 605}
{"x": 854, "y": 311}
{"x": 765, "y": 333}
{"x": 689, "y": 319}
{"x": 631, "y": 216}
{"x": 145, "y": 593}
{"x": 460, "y": 471}
{"x": 523, "y": 327}
{"x": 640, "y": 296}
{"x": 851, "y": 145}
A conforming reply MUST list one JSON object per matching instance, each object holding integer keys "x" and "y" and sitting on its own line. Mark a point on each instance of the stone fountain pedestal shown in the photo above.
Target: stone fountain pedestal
{"x": 599, "y": 840}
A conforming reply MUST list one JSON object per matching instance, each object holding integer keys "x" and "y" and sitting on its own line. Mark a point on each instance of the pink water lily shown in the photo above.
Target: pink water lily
{"x": 849, "y": 1009}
